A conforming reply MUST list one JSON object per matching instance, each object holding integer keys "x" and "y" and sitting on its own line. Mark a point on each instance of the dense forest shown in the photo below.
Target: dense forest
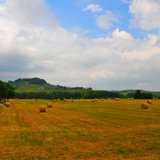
{"x": 90, "y": 94}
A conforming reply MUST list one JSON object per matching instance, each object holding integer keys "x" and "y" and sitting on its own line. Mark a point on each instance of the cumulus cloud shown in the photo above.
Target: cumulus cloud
{"x": 121, "y": 34}
{"x": 32, "y": 45}
{"x": 93, "y": 8}
{"x": 105, "y": 21}
{"x": 145, "y": 14}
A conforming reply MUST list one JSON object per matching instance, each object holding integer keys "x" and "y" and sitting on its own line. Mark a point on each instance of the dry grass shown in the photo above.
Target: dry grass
{"x": 80, "y": 130}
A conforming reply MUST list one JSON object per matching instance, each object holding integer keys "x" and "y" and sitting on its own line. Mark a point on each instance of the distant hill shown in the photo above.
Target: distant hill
{"x": 40, "y": 85}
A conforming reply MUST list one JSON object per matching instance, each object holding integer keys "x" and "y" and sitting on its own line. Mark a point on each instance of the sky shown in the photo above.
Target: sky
{"x": 103, "y": 44}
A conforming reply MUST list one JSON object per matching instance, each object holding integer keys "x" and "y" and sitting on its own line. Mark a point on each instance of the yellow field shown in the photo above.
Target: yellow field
{"x": 109, "y": 130}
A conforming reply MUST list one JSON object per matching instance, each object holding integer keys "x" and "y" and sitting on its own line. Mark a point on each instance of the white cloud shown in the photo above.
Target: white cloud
{"x": 121, "y": 34}
{"x": 24, "y": 12}
{"x": 101, "y": 74}
{"x": 93, "y": 8}
{"x": 46, "y": 50}
{"x": 106, "y": 21}
{"x": 146, "y": 14}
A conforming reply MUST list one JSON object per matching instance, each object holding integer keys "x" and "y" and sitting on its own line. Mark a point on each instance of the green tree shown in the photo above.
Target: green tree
{"x": 137, "y": 94}
{"x": 90, "y": 95}
{"x": 6, "y": 90}
{"x": 145, "y": 95}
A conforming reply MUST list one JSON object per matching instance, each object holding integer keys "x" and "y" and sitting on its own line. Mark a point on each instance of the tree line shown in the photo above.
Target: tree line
{"x": 90, "y": 94}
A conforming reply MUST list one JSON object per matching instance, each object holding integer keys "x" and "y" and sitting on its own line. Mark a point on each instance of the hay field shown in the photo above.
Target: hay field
{"x": 80, "y": 130}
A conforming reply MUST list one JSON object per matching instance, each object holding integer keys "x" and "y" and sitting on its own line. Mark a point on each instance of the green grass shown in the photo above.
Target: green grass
{"x": 43, "y": 88}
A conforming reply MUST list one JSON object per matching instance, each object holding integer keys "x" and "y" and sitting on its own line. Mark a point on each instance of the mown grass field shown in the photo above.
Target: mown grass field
{"x": 80, "y": 130}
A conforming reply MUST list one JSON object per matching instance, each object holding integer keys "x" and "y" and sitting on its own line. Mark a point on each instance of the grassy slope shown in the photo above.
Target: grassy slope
{"x": 113, "y": 130}
{"x": 42, "y": 88}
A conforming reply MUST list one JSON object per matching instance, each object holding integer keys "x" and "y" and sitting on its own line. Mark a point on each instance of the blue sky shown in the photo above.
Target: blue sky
{"x": 102, "y": 44}
{"x": 71, "y": 16}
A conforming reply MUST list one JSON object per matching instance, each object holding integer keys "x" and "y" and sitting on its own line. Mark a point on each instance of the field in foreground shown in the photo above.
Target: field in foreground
{"x": 104, "y": 130}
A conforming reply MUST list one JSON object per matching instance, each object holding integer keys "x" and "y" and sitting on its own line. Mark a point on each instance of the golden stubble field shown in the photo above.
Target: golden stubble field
{"x": 80, "y": 130}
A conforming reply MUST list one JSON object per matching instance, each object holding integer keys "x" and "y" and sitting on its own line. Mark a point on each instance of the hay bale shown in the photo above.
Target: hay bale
{"x": 49, "y": 105}
{"x": 72, "y": 100}
{"x": 149, "y": 102}
{"x": 144, "y": 106}
{"x": 8, "y": 104}
{"x": 53, "y": 101}
{"x": 42, "y": 108}
{"x": 93, "y": 101}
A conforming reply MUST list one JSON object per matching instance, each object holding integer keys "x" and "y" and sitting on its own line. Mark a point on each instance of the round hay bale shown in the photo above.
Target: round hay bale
{"x": 8, "y": 104}
{"x": 149, "y": 102}
{"x": 54, "y": 101}
{"x": 144, "y": 106}
{"x": 42, "y": 108}
{"x": 49, "y": 105}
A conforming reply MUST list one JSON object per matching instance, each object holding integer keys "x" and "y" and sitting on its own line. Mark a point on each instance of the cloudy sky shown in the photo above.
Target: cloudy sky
{"x": 101, "y": 44}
